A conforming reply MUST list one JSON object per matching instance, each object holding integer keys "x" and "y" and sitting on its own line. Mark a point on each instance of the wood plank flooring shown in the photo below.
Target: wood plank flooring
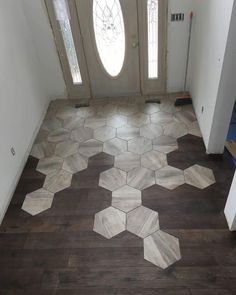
{"x": 57, "y": 252}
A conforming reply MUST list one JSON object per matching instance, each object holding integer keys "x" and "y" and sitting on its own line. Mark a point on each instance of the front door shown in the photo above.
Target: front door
{"x": 110, "y": 48}
{"x": 110, "y": 36}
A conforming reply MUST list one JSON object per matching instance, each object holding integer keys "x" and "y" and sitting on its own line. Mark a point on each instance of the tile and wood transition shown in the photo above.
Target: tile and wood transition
{"x": 119, "y": 198}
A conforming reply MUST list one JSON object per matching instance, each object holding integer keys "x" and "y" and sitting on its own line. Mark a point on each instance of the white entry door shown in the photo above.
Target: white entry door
{"x": 111, "y": 48}
{"x": 110, "y": 36}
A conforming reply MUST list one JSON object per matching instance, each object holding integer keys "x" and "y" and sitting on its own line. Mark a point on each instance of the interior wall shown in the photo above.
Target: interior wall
{"x": 42, "y": 36}
{"x": 226, "y": 93}
{"x": 24, "y": 95}
{"x": 177, "y": 44}
{"x": 210, "y": 70}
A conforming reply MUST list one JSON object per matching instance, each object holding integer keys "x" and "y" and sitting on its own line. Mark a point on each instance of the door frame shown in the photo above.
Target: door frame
{"x": 147, "y": 86}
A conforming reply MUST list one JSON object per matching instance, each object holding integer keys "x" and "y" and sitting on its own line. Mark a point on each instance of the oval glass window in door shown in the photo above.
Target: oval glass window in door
{"x": 109, "y": 33}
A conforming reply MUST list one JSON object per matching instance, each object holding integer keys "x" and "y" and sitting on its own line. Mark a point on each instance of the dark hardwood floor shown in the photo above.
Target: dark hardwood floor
{"x": 57, "y": 252}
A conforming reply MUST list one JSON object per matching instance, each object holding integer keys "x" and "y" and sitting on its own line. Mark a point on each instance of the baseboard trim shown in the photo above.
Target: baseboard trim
{"x": 22, "y": 165}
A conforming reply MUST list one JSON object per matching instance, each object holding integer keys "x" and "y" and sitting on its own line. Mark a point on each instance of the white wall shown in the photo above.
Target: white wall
{"x": 177, "y": 43}
{"x": 230, "y": 208}
{"x": 42, "y": 36}
{"x": 226, "y": 93}
{"x": 24, "y": 93}
{"x": 210, "y": 72}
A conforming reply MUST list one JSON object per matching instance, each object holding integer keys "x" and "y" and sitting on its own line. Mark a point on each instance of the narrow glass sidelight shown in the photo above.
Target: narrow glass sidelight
{"x": 152, "y": 25}
{"x": 109, "y": 33}
{"x": 63, "y": 17}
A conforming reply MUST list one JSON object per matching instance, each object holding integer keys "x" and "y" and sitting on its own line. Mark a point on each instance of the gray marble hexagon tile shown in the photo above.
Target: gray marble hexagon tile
{"x": 112, "y": 179}
{"x": 161, "y": 249}
{"x": 199, "y": 176}
{"x": 126, "y": 198}
{"x": 142, "y": 222}
{"x": 37, "y": 201}
{"x": 109, "y": 222}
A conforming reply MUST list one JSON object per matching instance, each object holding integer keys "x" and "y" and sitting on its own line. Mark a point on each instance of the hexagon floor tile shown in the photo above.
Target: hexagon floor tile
{"x": 169, "y": 177}
{"x": 161, "y": 249}
{"x": 49, "y": 165}
{"x": 75, "y": 163}
{"x": 95, "y": 122}
{"x": 117, "y": 121}
{"x": 128, "y": 132}
{"x": 153, "y": 160}
{"x": 175, "y": 129}
{"x": 112, "y": 179}
{"x": 127, "y": 109}
{"x": 43, "y": 150}
{"x": 161, "y": 118}
{"x": 126, "y": 198}
{"x": 106, "y": 109}
{"x": 140, "y": 178}
{"x": 104, "y": 133}
{"x": 66, "y": 148}
{"x": 138, "y": 120}
{"x": 165, "y": 144}
{"x": 168, "y": 106}
{"x": 194, "y": 129}
{"x": 186, "y": 117}
{"x": 115, "y": 146}
{"x": 51, "y": 124}
{"x": 140, "y": 145}
{"x": 90, "y": 147}
{"x": 149, "y": 108}
{"x": 42, "y": 136}
{"x": 109, "y": 222}
{"x": 59, "y": 135}
{"x": 85, "y": 112}
{"x": 127, "y": 161}
{"x": 199, "y": 176}
{"x": 58, "y": 181}
{"x": 142, "y": 221}
{"x": 73, "y": 123}
{"x": 66, "y": 112}
{"x": 151, "y": 131}
{"x": 82, "y": 134}
{"x": 38, "y": 201}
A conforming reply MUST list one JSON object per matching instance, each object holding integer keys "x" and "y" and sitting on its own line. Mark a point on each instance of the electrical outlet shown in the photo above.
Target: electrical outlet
{"x": 202, "y": 109}
{"x": 13, "y": 151}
